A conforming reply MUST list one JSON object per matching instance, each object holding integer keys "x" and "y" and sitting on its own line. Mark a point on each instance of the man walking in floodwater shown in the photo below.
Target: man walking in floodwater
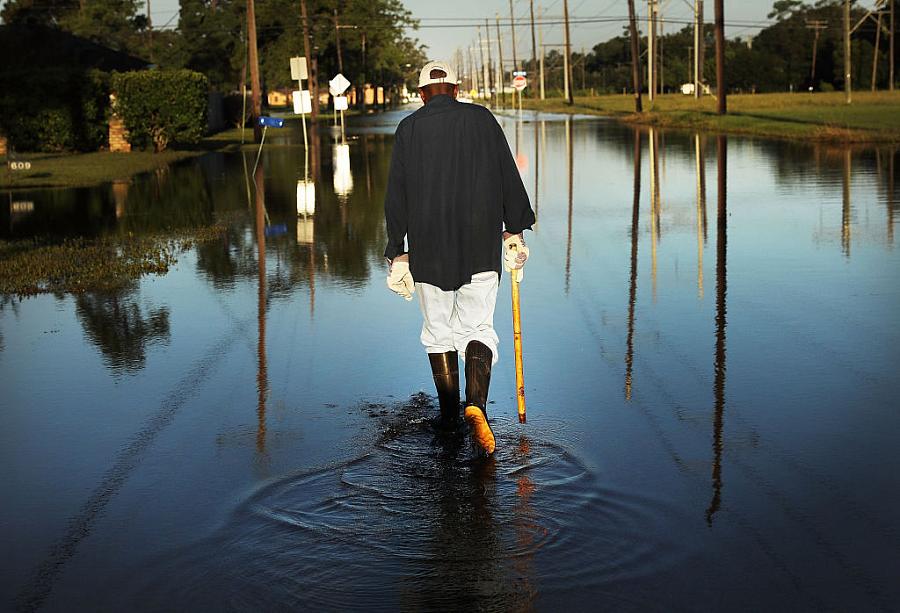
{"x": 453, "y": 192}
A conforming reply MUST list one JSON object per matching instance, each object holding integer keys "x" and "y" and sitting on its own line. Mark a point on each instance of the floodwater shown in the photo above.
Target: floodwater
{"x": 711, "y": 333}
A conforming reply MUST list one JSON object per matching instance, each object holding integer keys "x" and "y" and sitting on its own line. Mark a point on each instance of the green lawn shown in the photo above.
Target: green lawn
{"x": 80, "y": 169}
{"x": 873, "y": 117}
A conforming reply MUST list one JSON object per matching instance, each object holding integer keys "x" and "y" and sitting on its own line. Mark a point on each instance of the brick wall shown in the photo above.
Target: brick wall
{"x": 3, "y": 146}
{"x": 118, "y": 135}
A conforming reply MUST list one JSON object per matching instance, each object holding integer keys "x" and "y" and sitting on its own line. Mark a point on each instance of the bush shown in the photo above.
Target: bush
{"x": 161, "y": 106}
{"x": 54, "y": 110}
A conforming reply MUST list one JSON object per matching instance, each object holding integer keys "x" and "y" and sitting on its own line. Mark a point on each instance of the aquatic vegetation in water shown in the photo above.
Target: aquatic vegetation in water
{"x": 79, "y": 265}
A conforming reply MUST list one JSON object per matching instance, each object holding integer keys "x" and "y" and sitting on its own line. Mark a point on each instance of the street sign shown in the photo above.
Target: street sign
{"x": 343, "y": 178}
{"x": 271, "y": 122}
{"x": 306, "y": 198}
{"x": 340, "y": 103}
{"x": 338, "y": 85}
{"x": 302, "y": 102}
{"x": 520, "y": 72}
{"x": 298, "y": 68}
{"x": 519, "y": 82}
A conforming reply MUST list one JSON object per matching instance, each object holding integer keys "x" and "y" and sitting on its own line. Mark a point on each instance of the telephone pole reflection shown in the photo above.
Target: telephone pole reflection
{"x": 632, "y": 290}
{"x": 537, "y": 173}
{"x": 890, "y": 199}
{"x": 569, "y": 163}
{"x": 262, "y": 377}
{"x": 701, "y": 209}
{"x": 721, "y": 310}
{"x": 654, "y": 204}
{"x": 845, "y": 209}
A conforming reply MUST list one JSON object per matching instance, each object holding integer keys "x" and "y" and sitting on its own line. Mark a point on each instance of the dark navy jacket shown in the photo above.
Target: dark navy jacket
{"x": 453, "y": 185}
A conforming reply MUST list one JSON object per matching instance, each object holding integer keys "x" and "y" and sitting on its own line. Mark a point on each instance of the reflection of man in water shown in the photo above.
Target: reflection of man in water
{"x": 453, "y": 186}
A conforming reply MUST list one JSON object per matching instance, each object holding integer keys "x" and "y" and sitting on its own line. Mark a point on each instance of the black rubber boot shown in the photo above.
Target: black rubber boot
{"x": 445, "y": 368}
{"x": 478, "y": 374}
{"x": 478, "y": 380}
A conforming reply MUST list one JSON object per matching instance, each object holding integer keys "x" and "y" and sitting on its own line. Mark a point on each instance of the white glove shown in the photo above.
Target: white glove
{"x": 400, "y": 280}
{"x": 514, "y": 255}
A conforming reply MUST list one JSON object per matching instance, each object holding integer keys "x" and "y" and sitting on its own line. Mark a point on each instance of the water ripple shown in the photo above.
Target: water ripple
{"x": 419, "y": 521}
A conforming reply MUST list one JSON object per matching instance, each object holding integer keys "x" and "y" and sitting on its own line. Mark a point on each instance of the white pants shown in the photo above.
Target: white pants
{"x": 453, "y": 319}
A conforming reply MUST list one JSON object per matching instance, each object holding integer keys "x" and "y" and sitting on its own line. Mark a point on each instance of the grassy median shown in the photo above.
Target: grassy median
{"x": 872, "y": 117}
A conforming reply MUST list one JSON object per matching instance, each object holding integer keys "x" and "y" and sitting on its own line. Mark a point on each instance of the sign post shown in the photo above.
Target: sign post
{"x": 302, "y": 104}
{"x": 337, "y": 86}
{"x": 519, "y": 82}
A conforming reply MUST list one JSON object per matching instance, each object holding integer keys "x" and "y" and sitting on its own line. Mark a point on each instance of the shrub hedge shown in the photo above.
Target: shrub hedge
{"x": 161, "y": 106}
{"x": 54, "y": 109}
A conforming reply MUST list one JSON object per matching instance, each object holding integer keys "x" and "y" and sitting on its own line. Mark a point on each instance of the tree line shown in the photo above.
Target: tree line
{"x": 778, "y": 58}
{"x": 210, "y": 36}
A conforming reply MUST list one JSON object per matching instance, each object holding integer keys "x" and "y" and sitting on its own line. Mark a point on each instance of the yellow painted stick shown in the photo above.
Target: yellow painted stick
{"x": 517, "y": 339}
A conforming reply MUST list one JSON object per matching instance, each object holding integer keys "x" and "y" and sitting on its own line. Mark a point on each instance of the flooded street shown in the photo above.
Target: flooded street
{"x": 710, "y": 329}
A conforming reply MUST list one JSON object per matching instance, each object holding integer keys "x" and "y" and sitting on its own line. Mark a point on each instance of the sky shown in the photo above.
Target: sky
{"x": 446, "y": 26}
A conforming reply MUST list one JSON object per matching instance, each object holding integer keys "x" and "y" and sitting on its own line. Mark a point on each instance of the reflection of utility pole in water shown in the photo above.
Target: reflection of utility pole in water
{"x": 701, "y": 209}
{"x": 569, "y": 163}
{"x": 845, "y": 209}
{"x": 890, "y": 199}
{"x": 543, "y": 149}
{"x": 721, "y": 310}
{"x": 654, "y": 206}
{"x": 537, "y": 172}
{"x": 632, "y": 288}
{"x": 262, "y": 378}
{"x": 312, "y": 280}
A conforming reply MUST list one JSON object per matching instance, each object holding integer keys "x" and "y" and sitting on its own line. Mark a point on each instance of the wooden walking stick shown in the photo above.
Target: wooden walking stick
{"x": 517, "y": 340}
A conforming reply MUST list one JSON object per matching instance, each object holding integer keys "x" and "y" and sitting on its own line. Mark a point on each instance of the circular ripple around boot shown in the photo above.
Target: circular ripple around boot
{"x": 422, "y": 521}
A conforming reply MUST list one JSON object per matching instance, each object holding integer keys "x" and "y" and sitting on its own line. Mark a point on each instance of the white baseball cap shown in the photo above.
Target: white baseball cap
{"x": 425, "y": 74}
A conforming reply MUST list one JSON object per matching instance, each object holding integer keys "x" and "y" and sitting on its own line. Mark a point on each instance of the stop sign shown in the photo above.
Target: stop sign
{"x": 519, "y": 82}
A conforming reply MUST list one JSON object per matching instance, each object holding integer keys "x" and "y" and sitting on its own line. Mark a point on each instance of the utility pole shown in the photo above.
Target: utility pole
{"x": 661, "y": 53}
{"x": 847, "y": 86}
{"x": 817, "y": 25}
{"x": 721, "y": 86}
{"x": 337, "y": 41}
{"x": 533, "y": 45}
{"x": 502, "y": 88}
{"x": 568, "y": 57}
{"x": 891, "y": 53}
{"x": 651, "y": 48}
{"x": 473, "y": 71}
{"x": 583, "y": 63}
{"x": 875, "y": 54}
{"x": 256, "y": 96}
{"x": 541, "y": 35}
{"x": 635, "y": 58}
{"x": 313, "y": 90}
{"x": 484, "y": 80}
{"x": 487, "y": 35}
{"x": 512, "y": 25}
{"x": 698, "y": 42}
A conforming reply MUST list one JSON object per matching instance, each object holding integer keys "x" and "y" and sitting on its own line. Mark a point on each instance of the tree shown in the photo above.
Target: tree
{"x": 37, "y": 12}
{"x": 212, "y": 35}
{"x": 783, "y": 9}
{"x": 112, "y": 23}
